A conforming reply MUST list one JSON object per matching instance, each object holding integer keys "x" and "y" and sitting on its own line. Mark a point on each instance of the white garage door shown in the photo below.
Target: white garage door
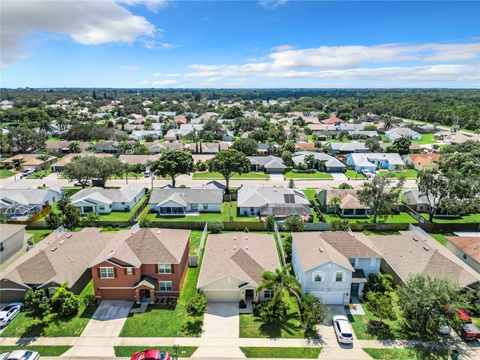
{"x": 331, "y": 298}
{"x": 222, "y": 295}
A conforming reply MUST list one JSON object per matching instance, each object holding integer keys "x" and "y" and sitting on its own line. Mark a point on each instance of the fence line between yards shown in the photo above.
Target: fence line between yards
{"x": 280, "y": 245}
{"x": 202, "y": 239}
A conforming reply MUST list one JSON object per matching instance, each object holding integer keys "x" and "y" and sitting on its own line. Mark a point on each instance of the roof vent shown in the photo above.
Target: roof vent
{"x": 234, "y": 247}
{"x": 53, "y": 249}
{"x": 426, "y": 248}
{"x": 246, "y": 247}
{"x": 414, "y": 239}
{"x": 321, "y": 249}
{"x": 69, "y": 236}
{"x": 61, "y": 242}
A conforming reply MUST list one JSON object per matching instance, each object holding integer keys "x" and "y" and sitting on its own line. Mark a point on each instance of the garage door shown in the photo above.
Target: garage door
{"x": 331, "y": 298}
{"x": 11, "y": 295}
{"x": 222, "y": 295}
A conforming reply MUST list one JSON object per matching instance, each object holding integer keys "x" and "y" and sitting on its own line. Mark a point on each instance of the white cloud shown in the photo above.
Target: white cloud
{"x": 157, "y": 74}
{"x": 151, "y": 5}
{"x": 85, "y": 22}
{"x": 271, "y": 4}
{"x": 155, "y": 44}
{"x": 165, "y": 82}
{"x": 283, "y": 48}
{"x": 129, "y": 67}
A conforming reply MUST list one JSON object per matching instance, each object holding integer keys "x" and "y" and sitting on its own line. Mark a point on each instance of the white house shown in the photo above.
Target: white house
{"x": 399, "y": 132}
{"x": 12, "y": 240}
{"x": 182, "y": 201}
{"x": 233, "y": 264}
{"x": 334, "y": 265}
{"x": 374, "y": 161}
{"x": 143, "y": 134}
{"x": 104, "y": 201}
{"x": 20, "y": 204}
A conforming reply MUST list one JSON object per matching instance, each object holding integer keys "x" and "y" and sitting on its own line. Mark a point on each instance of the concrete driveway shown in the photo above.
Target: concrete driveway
{"x": 108, "y": 319}
{"x": 221, "y": 321}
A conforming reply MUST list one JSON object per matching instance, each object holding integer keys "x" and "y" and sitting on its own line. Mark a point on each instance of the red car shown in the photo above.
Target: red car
{"x": 151, "y": 355}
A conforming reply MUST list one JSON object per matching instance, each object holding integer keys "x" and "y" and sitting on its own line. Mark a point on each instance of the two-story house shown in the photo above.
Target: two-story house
{"x": 334, "y": 265}
{"x": 150, "y": 263}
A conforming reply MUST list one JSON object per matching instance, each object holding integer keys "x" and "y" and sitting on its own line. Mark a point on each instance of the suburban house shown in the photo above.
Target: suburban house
{"x": 254, "y": 200}
{"x": 402, "y": 132}
{"x": 414, "y": 252}
{"x": 233, "y": 264}
{"x": 413, "y": 199}
{"x": 12, "y": 240}
{"x": 269, "y": 164}
{"x": 422, "y": 161}
{"x": 108, "y": 147}
{"x": 21, "y": 204}
{"x": 63, "y": 147}
{"x": 208, "y": 148}
{"x": 347, "y": 147}
{"x": 466, "y": 248}
{"x": 106, "y": 200}
{"x": 133, "y": 160}
{"x": 343, "y": 202}
{"x": 59, "y": 258}
{"x": 374, "y": 161}
{"x": 334, "y": 265}
{"x": 146, "y": 264}
{"x": 143, "y": 134}
{"x": 322, "y": 129}
{"x": 325, "y": 161}
{"x": 363, "y": 134}
{"x": 332, "y": 120}
{"x": 67, "y": 159}
{"x": 28, "y": 161}
{"x": 184, "y": 201}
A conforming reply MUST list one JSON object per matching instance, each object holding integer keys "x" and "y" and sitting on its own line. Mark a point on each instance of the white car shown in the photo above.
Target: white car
{"x": 444, "y": 330}
{"x": 20, "y": 355}
{"x": 367, "y": 173}
{"x": 343, "y": 330}
{"x": 8, "y": 312}
{"x": 28, "y": 171}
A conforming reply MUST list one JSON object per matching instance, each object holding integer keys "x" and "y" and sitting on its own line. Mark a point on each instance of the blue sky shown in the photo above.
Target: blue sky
{"x": 280, "y": 43}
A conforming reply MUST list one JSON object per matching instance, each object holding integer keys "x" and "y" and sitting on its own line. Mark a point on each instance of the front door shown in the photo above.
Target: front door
{"x": 249, "y": 294}
{"x": 355, "y": 288}
{"x": 144, "y": 294}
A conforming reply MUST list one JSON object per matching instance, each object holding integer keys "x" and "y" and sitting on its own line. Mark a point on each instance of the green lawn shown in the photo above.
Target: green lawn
{"x": 25, "y": 325}
{"x": 404, "y": 354}
{"x": 310, "y": 194}
{"x": 195, "y": 237}
{"x": 5, "y": 173}
{"x": 229, "y": 209}
{"x": 131, "y": 175}
{"x": 360, "y": 326}
{"x": 295, "y": 174}
{"x": 53, "y": 139}
{"x": 120, "y": 215}
{"x": 472, "y": 218}
{"x": 40, "y": 174}
{"x": 281, "y": 352}
{"x": 288, "y": 327}
{"x": 441, "y": 238}
{"x": 426, "y": 139}
{"x": 353, "y": 175}
{"x": 407, "y": 174}
{"x": 128, "y": 351}
{"x": 207, "y": 175}
{"x": 43, "y": 350}
{"x": 38, "y": 234}
{"x": 159, "y": 322}
{"x": 71, "y": 190}
{"x": 402, "y": 218}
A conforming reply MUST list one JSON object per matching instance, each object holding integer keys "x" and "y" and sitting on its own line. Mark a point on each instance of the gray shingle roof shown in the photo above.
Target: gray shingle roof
{"x": 330, "y": 161}
{"x": 123, "y": 194}
{"x": 257, "y": 196}
{"x": 189, "y": 196}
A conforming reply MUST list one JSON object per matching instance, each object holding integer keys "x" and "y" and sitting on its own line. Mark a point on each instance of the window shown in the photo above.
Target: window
{"x": 129, "y": 271}
{"x": 107, "y": 273}
{"x": 165, "y": 285}
{"x": 338, "y": 276}
{"x": 1, "y": 247}
{"x": 164, "y": 268}
{"x": 464, "y": 255}
{"x": 317, "y": 277}
{"x": 101, "y": 207}
{"x": 268, "y": 294}
{"x": 205, "y": 206}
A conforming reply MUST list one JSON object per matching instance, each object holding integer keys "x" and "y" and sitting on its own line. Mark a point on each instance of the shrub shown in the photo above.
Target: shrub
{"x": 270, "y": 222}
{"x": 198, "y": 305}
{"x": 38, "y": 302}
{"x": 339, "y": 225}
{"x": 215, "y": 227}
{"x": 69, "y": 306}
{"x": 344, "y": 186}
{"x": 273, "y": 311}
{"x": 201, "y": 165}
{"x": 294, "y": 223}
{"x": 89, "y": 300}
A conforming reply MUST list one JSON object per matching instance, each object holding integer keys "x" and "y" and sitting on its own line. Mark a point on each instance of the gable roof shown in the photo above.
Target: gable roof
{"x": 330, "y": 161}
{"x": 7, "y": 230}
{"x": 29, "y": 196}
{"x": 348, "y": 146}
{"x": 470, "y": 245}
{"x": 244, "y": 256}
{"x": 424, "y": 159}
{"x": 402, "y": 131}
{"x": 269, "y": 162}
{"x": 257, "y": 196}
{"x": 348, "y": 198}
{"x": 108, "y": 196}
{"x": 366, "y": 159}
{"x": 414, "y": 252}
{"x": 187, "y": 196}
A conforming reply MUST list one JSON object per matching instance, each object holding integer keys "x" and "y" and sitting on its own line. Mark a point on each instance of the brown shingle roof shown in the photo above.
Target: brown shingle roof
{"x": 470, "y": 245}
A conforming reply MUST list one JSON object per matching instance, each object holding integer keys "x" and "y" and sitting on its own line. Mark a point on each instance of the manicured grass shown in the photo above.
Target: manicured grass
{"x": 281, "y": 352}
{"x": 404, "y": 354}
{"x": 128, "y": 351}
{"x": 472, "y": 218}
{"x": 43, "y": 350}
{"x": 38, "y": 234}
{"x": 40, "y": 174}
{"x": 402, "y": 218}
{"x": 426, "y": 139}
{"x": 441, "y": 238}
{"x": 120, "y": 215}
{"x": 294, "y": 174}
{"x": 195, "y": 237}
{"x": 160, "y": 322}
{"x": 353, "y": 175}
{"x": 53, "y": 139}
{"x": 407, "y": 174}
{"x": 360, "y": 326}
{"x": 288, "y": 327}
{"x": 70, "y": 191}
{"x": 310, "y": 194}
{"x": 228, "y": 209}
{"x": 26, "y": 325}
{"x": 207, "y": 175}
{"x": 5, "y": 173}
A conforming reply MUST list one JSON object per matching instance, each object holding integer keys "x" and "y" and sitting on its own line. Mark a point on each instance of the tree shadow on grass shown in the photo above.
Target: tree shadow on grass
{"x": 276, "y": 328}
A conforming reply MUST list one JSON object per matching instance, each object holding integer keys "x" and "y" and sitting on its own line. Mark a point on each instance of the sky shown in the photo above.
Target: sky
{"x": 239, "y": 44}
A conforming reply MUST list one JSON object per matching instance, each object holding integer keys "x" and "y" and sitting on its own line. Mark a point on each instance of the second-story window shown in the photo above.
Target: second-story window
{"x": 164, "y": 268}
{"x": 107, "y": 273}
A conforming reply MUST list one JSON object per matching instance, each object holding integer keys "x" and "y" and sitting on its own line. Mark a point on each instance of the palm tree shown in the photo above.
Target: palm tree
{"x": 74, "y": 147}
{"x": 122, "y": 121}
{"x": 44, "y": 158}
{"x": 62, "y": 123}
{"x": 334, "y": 202}
{"x": 310, "y": 161}
{"x": 280, "y": 281}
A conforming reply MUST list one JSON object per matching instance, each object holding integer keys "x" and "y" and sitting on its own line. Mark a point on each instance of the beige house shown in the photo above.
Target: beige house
{"x": 422, "y": 161}
{"x": 12, "y": 240}
{"x": 466, "y": 248}
{"x": 233, "y": 265}
{"x": 29, "y": 161}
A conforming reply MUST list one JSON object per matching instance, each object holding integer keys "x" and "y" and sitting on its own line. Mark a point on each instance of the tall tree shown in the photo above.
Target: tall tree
{"x": 25, "y": 140}
{"x": 247, "y": 146}
{"x": 380, "y": 196}
{"x": 280, "y": 282}
{"x": 229, "y": 162}
{"x": 435, "y": 187}
{"x": 173, "y": 163}
{"x": 83, "y": 169}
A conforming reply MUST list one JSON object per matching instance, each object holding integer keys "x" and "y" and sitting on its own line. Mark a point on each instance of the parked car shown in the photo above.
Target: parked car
{"x": 470, "y": 332}
{"x": 20, "y": 355}
{"x": 343, "y": 330}
{"x": 28, "y": 171}
{"x": 444, "y": 329}
{"x": 152, "y": 355}
{"x": 367, "y": 173}
{"x": 9, "y": 312}
{"x": 147, "y": 173}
